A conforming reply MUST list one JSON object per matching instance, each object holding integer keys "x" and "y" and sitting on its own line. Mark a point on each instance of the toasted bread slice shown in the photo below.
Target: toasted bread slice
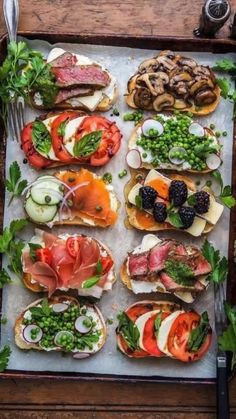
{"x": 22, "y": 344}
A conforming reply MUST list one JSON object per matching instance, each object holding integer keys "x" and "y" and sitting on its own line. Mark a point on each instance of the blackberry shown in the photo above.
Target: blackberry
{"x": 187, "y": 215}
{"x": 159, "y": 212}
{"x": 202, "y": 202}
{"x": 178, "y": 193}
{"x": 148, "y": 196}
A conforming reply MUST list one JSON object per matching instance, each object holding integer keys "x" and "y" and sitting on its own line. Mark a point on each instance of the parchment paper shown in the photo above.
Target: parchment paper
{"x": 122, "y": 62}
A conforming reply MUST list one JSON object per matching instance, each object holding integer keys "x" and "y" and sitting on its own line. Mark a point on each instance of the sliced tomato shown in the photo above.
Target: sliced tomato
{"x": 138, "y": 353}
{"x": 34, "y": 158}
{"x": 149, "y": 338}
{"x": 57, "y": 140}
{"x": 177, "y": 342}
{"x": 139, "y": 309}
{"x": 110, "y": 142}
{"x": 73, "y": 246}
{"x": 107, "y": 263}
{"x": 44, "y": 255}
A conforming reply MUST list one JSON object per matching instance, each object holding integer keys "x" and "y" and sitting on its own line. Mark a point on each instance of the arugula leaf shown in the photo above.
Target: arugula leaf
{"x": 231, "y": 314}
{"x": 89, "y": 283}
{"x": 224, "y": 86}
{"x": 13, "y": 184}
{"x": 198, "y": 335}
{"x": 157, "y": 323}
{"x": 139, "y": 202}
{"x": 4, "y": 278}
{"x": 225, "y": 196}
{"x": 88, "y": 144}
{"x": 128, "y": 330}
{"x": 41, "y": 137}
{"x": 219, "y": 265}
{"x": 5, "y": 353}
{"x": 175, "y": 219}
{"x": 33, "y": 247}
{"x": 225, "y": 64}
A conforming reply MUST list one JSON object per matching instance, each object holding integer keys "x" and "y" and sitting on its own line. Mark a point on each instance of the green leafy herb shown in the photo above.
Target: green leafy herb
{"x": 88, "y": 144}
{"x": 4, "y": 319}
{"x": 41, "y": 137}
{"x": 45, "y": 307}
{"x": 39, "y": 312}
{"x": 201, "y": 150}
{"x": 99, "y": 267}
{"x": 5, "y": 353}
{"x": 89, "y": 283}
{"x": 88, "y": 340}
{"x": 180, "y": 272}
{"x": 157, "y": 323}
{"x": 225, "y": 87}
{"x": 225, "y": 65}
{"x": 192, "y": 200}
{"x": 219, "y": 265}
{"x": 227, "y": 341}
{"x": 14, "y": 184}
{"x": 199, "y": 334}
{"x": 33, "y": 247}
{"x": 4, "y": 278}
{"x": 225, "y": 196}
{"x": 139, "y": 202}
{"x": 61, "y": 128}
{"x": 128, "y": 330}
{"x": 175, "y": 219}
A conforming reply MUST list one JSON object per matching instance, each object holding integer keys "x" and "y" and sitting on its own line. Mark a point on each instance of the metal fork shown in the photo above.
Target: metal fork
{"x": 16, "y": 107}
{"x": 222, "y": 394}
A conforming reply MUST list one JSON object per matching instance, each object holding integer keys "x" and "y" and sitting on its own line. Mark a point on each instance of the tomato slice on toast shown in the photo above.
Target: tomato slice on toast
{"x": 34, "y": 158}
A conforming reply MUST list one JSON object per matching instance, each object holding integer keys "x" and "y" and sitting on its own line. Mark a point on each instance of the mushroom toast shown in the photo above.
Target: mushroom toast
{"x": 61, "y": 324}
{"x": 163, "y": 328}
{"x": 64, "y": 262}
{"x": 169, "y": 81}
{"x": 78, "y": 82}
{"x": 173, "y": 143}
{"x": 156, "y": 202}
{"x": 167, "y": 266}
{"x": 70, "y": 137}
{"x": 69, "y": 197}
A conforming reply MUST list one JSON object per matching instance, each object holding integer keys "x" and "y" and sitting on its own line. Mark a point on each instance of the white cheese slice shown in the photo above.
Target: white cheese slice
{"x": 70, "y": 131}
{"x": 185, "y": 296}
{"x": 140, "y": 323}
{"x": 214, "y": 213}
{"x": 90, "y": 102}
{"x": 54, "y": 53}
{"x": 133, "y": 193}
{"x": 148, "y": 242}
{"x": 154, "y": 174}
{"x": 146, "y": 287}
{"x": 197, "y": 227}
{"x": 164, "y": 331}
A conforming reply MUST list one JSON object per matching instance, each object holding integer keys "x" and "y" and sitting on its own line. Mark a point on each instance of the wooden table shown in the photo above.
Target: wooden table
{"x": 87, "y": 400}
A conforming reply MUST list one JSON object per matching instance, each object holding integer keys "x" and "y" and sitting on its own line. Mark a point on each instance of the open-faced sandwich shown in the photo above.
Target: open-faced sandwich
{"x": 163, "y": 328}
{"x": 166, "y": 266}
{"x": 69, "y": 197}
{"x": 70, "y": 137}
{"x": 78, "y": 82}
{"x": 61, "y": 324}
{"x": 64, "y": 262}
{"x": 156, "y": 202}
{"x": 170, "y": 81}
{"x": 173, "y": 143}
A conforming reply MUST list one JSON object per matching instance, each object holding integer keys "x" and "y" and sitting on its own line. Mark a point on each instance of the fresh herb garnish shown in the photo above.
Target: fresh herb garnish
{"x": 157, "y": 323}
{"x": 192, "y": 200}
{"x": 199, "y": 334}
{"x": 90, "y": 282}
{"x": 41, "y": 137}
{"x": 225, "y": 195}
{"x": 219, "y": 265}
{"x": 5, "y": 353}
{"x": 227, "y": 341}
{"x": 87, "y": 340}
{"x": 128, "y": 330}
{"x": 225, "y": 64}
{"x": 139, "y": 202}
{"x": 14, "y": 185}
{"x": 88, "y": 144}
{"x": 99, "y": 267}
{"x": 225, "y": 87}
{"x": 44, "y": 310}
{"x": 33, "y": 247}
{"x": 4, "y": 319}
{"x": 4, "y": 277}
{"x": 201, "y": 150}
{"x": 180, "y": 272}
{"x": 174, "y": 218}
{"x": 61, "y": 128}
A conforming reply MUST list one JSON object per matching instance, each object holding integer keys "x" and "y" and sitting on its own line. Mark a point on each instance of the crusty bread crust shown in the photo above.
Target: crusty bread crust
{"x": 36, "y": 287}
{"x": 132, "y": 211}
{"x": 132, "y": 143}
{"x": 53, "y": 300}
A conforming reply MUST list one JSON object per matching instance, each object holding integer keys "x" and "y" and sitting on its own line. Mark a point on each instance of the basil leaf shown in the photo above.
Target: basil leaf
{"x": 36, "y": 312}
{"x": 129, "y": 331}
{"x": 192, "y": 200}
{"x": 33, "y": 247}
{"x": 61, "y": 128}
{"x": 139, "y": 202}
{"x": 99, "y": 267}
{"x": 175, "y": 219}
{"x": 199, "y": 334}
{"x": 41, "y": 137}
{"x": 88, "y": 144}
{"x": 157, "y": 323}
{"x": 89, "y": 283}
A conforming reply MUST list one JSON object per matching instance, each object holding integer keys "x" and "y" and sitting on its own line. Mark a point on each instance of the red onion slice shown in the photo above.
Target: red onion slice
{"x": 71, "y": 191}
{"x": 27, "y": 333}
{"x": 80, "y": 325}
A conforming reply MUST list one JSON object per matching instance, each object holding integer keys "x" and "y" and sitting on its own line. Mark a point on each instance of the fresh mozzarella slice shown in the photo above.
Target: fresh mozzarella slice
{"x": 185, "y": 296}
{"x": 214, "y": 212}
{"x": 164, "y": 330}
{"x": 70, "y": 131}
{"x": 141, "y": 287}
{"x": 140, "y": 323}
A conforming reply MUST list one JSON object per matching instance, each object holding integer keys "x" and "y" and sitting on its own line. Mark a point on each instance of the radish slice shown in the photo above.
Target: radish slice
{"x": 176, "y": 160}
{"x": 196, "y": 129}
{"x": 27, "y": 333}
{"x": 81, "y": 355}
{"x": 133, "y": 159}
{"x": 58, "y": 338}
{"x": 152, "y": 124}
{"x": 60, "y": 307}
{"x": 83, "y": 324}
{"x": 213, "y": 161}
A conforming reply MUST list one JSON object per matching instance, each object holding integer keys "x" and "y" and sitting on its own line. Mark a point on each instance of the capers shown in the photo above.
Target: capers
{"x": 47, "y": 199}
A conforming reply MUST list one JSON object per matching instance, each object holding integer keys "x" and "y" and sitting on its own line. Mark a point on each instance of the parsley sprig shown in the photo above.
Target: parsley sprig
{"x": 5, "y": 353}
{"x": 227, "y": 66}
{"x": 227, "y": 341}
{"x": 218, "y": 264}
{"x": 14, "y": 185}
{"x": 225, "y": 195}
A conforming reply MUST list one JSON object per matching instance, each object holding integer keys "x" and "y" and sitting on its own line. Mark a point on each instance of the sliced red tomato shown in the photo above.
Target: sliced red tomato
{"x": 73, "y": 245}
{"x": 107, "y": 263}
{"x": 110, "y": 142}
{"x": 34, "y": 158}
{"x": 44, "y": 255}
{"x": 149, "y": 338}
{"x": 179, "y": 335}
{"x": 57, "y": 140}
{"x": 138, "y": 353}
{"x": 139, "y": 309}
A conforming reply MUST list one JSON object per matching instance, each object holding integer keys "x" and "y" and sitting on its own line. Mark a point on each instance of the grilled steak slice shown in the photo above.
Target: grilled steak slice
{"x": 138, "y": 264}
{"x": 81, "y": 75}
{"x": 65, "y": 60}
{"x": 158, "y": 256}
{"x": 65, "y": 94}
{"x": 171, "y": 285}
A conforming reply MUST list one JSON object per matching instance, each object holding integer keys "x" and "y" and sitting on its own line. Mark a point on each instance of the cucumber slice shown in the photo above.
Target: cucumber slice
{"x": 40, "y": 213}
{"x": 45, "y": 196}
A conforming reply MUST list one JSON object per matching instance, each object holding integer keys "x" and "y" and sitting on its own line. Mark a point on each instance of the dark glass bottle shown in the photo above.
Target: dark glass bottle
{"x": 214, "y": 15}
